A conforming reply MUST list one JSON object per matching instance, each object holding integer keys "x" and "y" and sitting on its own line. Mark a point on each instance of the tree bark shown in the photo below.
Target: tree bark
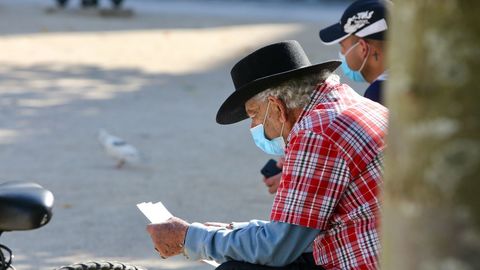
{"x": 431, "y": 199}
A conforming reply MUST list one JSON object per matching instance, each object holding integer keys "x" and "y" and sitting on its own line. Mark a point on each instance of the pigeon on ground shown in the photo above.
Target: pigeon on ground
{"x": 118, "y": 148}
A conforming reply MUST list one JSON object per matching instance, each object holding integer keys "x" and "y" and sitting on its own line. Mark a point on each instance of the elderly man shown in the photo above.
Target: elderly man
{"x": 327, "y": 201}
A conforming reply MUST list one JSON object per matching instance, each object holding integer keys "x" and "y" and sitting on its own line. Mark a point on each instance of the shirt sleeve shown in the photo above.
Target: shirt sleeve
{"x": 239, "y": 225}
{"x": 260, "y": 242}
{"x": 314, "y": 177}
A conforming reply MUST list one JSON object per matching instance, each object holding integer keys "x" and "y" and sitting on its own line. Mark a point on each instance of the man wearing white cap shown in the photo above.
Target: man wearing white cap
{"x": 361, "y": 33}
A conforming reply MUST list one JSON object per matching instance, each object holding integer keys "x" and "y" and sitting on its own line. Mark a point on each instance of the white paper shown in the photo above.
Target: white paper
{"x": 157, "y": 213}
{"x": 212, "y": 263}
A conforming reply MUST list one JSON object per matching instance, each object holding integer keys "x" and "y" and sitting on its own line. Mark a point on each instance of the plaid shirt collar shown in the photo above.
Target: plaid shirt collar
{"x": 316, "y": 97}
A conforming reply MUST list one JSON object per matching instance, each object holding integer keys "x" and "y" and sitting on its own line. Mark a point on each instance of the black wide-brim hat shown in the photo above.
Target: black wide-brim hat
{"x": 265, "y": 68}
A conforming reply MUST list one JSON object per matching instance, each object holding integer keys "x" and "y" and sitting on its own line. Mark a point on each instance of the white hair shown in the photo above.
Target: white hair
{"x": 296, "y": 93}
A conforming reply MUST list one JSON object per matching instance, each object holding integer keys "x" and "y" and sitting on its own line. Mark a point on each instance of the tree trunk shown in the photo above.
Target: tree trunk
{"x": 431, "y": 201}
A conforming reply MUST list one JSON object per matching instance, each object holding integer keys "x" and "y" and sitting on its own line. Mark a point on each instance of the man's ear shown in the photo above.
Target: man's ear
{"x": 365, "y": 47}
{"x": 278, "y": 105}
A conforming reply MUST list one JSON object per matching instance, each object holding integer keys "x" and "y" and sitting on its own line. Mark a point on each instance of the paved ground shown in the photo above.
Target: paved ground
{"x": 157, "y": 80}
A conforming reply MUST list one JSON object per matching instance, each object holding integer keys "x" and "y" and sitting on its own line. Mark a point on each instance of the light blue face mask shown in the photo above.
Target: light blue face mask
{"x": 275, "y": 146}
{"x": 354, "y": 75}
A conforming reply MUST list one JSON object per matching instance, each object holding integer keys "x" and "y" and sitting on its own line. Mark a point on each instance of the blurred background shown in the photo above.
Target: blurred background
{"x": 153, "y": 73}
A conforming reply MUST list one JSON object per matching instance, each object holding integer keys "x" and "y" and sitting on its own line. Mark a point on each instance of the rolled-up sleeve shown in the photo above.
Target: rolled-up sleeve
{"x": 259, "y": 242}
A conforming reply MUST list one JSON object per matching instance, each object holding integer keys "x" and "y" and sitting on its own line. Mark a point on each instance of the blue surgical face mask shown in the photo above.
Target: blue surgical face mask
{"x": 275, "y": 146}
{"x": 354, "y": 75}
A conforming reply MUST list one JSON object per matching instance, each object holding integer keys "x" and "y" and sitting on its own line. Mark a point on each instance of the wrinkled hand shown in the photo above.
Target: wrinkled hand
{"x": 168, "y": 237}
{"x": 273, "y": 181}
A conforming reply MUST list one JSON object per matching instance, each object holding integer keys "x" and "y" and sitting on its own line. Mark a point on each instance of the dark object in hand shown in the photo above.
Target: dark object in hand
{"x": 270, "y": 169}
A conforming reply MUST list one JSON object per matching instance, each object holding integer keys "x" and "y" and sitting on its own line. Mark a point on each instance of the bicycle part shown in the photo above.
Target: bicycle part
{"x": 24, "y": 206}
{"x": 100, "y": 266}
{"x": 5, "y": 261}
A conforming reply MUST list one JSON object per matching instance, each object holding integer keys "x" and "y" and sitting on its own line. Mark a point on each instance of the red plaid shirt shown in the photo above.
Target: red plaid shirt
{"x": 332, "y": 176}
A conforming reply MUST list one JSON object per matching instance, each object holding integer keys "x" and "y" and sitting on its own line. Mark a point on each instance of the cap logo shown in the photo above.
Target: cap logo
{"x": 357, "y": 21}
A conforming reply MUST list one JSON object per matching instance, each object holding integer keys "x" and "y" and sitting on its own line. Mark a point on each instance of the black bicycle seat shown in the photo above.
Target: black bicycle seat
{"x": 24, "y": 206}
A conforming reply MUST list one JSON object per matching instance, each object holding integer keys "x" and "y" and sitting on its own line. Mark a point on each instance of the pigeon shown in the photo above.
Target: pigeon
{"x": 118, "y": 148}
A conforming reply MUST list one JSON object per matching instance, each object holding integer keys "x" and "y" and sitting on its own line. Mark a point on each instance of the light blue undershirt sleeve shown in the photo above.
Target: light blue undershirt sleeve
{"x": 259, "y": 242}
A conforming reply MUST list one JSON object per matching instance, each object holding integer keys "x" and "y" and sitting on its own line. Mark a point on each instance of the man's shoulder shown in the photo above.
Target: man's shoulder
{"x": 341, "y": 108}
{"x": 356, "y": 126}
{"x": 366, "y": 117}
{"x": 359, "y": 133}
{"x": 375, "y": 91}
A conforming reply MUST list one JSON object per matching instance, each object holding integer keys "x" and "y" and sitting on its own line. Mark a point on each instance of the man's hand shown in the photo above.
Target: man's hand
{"x": 168, "y": 237}
{"x": 273, "y": 181}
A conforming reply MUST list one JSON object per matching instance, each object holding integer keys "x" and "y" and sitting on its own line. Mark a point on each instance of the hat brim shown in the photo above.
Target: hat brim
{"x": 333, "y": 34}
{"x": 233, "y": 108}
